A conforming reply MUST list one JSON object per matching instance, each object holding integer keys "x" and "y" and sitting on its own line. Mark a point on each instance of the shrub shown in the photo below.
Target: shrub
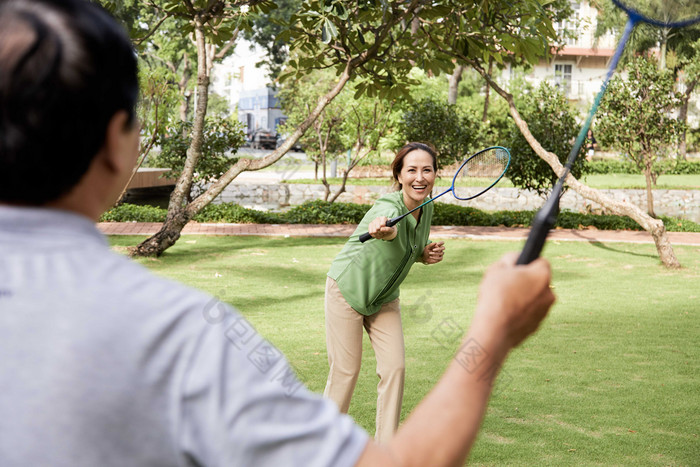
{"x": 453, "y": 131}
{"x": 670, "y": 167}
{"x": 322, "y": 212}
{"x": 134, "y": 213}
{"x": 235, "y": 214}
{"x": 674, "y": 224}
{"x": 552, "y": 121}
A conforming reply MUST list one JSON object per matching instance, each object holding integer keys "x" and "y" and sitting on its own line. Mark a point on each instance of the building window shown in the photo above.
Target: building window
{"x": 570, "y": 25}
{"x": 562, "y": 76}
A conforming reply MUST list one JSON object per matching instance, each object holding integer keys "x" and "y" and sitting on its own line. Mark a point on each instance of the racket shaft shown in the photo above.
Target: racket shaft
{"x": 544, "y": 220}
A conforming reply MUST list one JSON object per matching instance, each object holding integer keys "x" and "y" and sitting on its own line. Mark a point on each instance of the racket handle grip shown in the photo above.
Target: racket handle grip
{"x": 390, "y": 223}
{"x": 364, "y": 237}
{"x": 534, "y": 244}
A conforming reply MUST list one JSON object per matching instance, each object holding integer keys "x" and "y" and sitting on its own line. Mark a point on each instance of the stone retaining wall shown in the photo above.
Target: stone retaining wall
{"x": 677, "y": 203}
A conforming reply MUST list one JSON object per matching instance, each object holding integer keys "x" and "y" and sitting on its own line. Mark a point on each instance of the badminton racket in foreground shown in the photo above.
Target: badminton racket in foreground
{"x": 490, "y": 164}
{"x": 667, "y": 14}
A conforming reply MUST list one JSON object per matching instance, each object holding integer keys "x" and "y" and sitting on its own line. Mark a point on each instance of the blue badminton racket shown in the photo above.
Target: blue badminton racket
{"x": 658, "y": 13}
{"x": 490, "y": 164}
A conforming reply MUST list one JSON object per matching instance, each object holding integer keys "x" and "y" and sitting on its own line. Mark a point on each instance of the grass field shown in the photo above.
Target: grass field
{"x": 612, "y": 378}
{"x": 607, "y": 181}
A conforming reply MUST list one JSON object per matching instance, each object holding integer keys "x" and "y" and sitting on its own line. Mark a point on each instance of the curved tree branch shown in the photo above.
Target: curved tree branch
{"x": 654, "y": 226}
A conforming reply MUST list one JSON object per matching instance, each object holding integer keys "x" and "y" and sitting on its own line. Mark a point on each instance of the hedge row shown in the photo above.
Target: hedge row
{"x": 322, "y": 212}
{"x": 626, "y": 167}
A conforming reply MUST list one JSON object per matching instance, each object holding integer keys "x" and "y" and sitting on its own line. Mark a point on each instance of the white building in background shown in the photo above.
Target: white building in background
{"x": 580, "y": 67}
{"x": 246, "y": 87}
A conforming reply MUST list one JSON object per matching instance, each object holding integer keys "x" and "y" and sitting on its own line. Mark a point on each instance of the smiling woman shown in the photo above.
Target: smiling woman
{"x": 362, "y": 288}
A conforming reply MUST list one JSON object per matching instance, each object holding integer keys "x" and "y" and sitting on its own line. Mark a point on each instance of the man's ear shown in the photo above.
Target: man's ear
{"x": 121, "y": 143}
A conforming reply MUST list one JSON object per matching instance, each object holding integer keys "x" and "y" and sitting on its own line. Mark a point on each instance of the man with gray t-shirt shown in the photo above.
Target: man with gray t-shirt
{"x": 101, "y": 362}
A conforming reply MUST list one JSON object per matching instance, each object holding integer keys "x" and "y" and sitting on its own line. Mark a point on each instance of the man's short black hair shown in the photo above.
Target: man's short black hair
{"x": 66, "y": 67}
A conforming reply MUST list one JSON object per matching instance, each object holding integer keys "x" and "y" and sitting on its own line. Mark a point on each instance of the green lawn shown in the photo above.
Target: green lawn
{"x": 607, "y": 181}
{"x": 612, "y": 378}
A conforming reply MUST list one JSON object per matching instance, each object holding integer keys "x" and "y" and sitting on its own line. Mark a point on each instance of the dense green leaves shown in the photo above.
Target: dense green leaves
{"x": 552, "y": 121}
{"x": 637, "y": 116}
{"x": 221, "y": 140}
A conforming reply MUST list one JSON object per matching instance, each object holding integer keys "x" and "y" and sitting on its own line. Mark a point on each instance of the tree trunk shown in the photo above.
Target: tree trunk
{"x": 487, "y": 94}
{"x": 455, "y": 79}
{"x": 683, "y": 117}
{"x": 650, "y": 192}
{"x": 182, "y": 85}
{"x": 341, "y": 190}
{"x": 654, "y": 226}
{"x": 324, "y": 180}
{"x": 178, "y": 216}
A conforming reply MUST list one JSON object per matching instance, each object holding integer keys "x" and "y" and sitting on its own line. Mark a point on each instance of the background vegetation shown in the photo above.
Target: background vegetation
{"x": 323, "y": 212}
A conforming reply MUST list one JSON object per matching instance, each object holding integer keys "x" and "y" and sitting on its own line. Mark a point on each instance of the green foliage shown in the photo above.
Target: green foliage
{"x": 610, "y": 166}
{"x": 328, "y": 34}
{"x": 552, "y": 121}
{"x": 134, "y": 213}
{"x": 451, "y": 214}
{"x": 266, "y": 30}
{"x": 235, "y": 214}
{"x": 298, "y": 97}
{"x": 635, "y": 116}
{"x": 685, "y": 168}
{"x": 452, "y": 131}
{"x": 366, "y": 123}
{"x": 222, "y": 138}
{"x": 323, "y": 212}
{"x": 219, "y": 107}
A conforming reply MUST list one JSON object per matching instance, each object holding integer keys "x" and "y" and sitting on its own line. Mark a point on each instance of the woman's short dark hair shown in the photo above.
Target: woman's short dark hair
{"x": 66, "y": 67}
{"x": 397, "y": 164}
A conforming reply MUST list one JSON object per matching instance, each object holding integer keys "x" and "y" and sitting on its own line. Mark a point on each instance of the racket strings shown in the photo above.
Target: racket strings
{"x": 479, "y": 172}
{"x": 663, "y": 13}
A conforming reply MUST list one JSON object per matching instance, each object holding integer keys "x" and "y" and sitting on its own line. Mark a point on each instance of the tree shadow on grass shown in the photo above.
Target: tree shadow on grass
{"x": 208, "y": 244}
{"x": 603, "y": 246}
{"x": 250, "y": 307}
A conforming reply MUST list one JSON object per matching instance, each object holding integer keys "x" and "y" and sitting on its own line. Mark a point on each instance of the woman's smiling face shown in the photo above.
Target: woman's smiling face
{"x": 417, "y": 177}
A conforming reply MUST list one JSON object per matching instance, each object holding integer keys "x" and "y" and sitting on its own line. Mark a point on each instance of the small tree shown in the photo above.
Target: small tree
{"x": 453, "y": 132}
{"x": 221, "y": 140}
{"x": 366, "y": 123}
{"x": 298, "y": 97}
{"x": 552, "y": 121}
{"x": 636, "y": 117}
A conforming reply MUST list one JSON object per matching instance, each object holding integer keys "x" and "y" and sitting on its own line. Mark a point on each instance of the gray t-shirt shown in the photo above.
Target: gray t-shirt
{"x": 104, "y": 364}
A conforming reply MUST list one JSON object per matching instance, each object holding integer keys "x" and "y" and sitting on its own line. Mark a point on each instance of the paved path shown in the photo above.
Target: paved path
{"x": 314, "y": 230}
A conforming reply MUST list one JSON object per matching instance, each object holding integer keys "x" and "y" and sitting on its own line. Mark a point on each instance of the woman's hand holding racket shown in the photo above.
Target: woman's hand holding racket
{"x": 433, "y": 252}
{"x": 379, "y": 230}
